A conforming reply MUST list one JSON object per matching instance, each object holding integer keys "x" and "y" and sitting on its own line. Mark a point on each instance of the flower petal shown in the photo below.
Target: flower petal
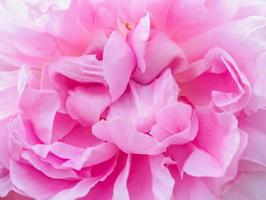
{"x": 118, "y": 61}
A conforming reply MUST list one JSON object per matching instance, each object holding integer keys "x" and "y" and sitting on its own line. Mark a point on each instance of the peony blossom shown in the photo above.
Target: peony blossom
{"x": 132, "y": 99}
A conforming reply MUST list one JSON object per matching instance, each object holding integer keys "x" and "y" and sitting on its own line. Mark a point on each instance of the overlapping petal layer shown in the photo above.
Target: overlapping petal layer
{"x": 129, "y": 99}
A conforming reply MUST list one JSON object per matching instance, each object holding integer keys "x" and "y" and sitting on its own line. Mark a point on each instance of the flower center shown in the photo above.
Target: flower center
{"x": 128, "y": 26}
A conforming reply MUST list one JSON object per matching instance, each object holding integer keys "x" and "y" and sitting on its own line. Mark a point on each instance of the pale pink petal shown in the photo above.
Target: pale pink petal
{"x": 65, "y": 21}
{"x": 83, "y": 187}
{"x": 120, "y": 191}
{"x": 22, "y": 131}
{"x": 50, "y": 4}
{"x": 160, "y": 52}
{"x": 47, "y": 169}
{"x": 75, "y": 157}
{"x": 33, "y": 183}
{"x": 140, "y": 102}
{"x": 244, "y": 41}
{"x": 162, "y": 181}
{"x": 230, "y": 89}
{"x": 248, "y": 186}
{"x": 8, "y": 92}
{"x": 183, "y": 20}
{"x": 63, "y": 124}
{"x": 41, "y": 107}
{"x": 254, "y": 126}
{"x": 139, "y": 39}
{"x": 219, "y": 185}
{"x": 190, "y": 188}
{"x": 118, "y": 61}
{"x": 125, "y": 136}
{"x": 86, "y": 104}
{"x": 175, "y": 124}
{"x": 92, "y": 156}
{"x": 251, "y": 8}
{"x": 4, "y": 144}
{"x": 215, "y": 145}
{"x": 105, "y": 190}
{"x": 84, "y": 69}
{"x": 259, "y": 97}
{"x": 5, "y": 183}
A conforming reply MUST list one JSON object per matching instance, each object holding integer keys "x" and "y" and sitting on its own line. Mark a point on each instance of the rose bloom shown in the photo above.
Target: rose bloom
{"x": 133, "y": 99}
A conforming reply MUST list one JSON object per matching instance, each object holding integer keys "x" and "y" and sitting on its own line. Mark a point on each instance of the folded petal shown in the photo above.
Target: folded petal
{"x": 63, "y": 124}
{"x": 175, "y": 124}
{"x": 120, "y": 132}
{"x": 254, "y": 126}
{"x": 47, "y": 169}
{"x": 118, "y": 61}
{"x": 5, "y": 183}
{"x": 248, "y": 186}
{"x": 221, "y": 184}
{"x": 230, "y": 89}
{"x": 68, "y": 154}
{"x": 33, "y": 183}
{"x": 190, "y": 188}
{"x": 139, "y": 39}
{"x": 160, "y": 52}
{"x": 234, "y": 37}
{"x": 84, "y": 69}
{"x": 40, "y": 106}
{"x": 120, "y": 190}
{"x": 86, "y": 104}
{"x": 216, "y": 144}
{"x": 83, "y": 187}
{"x": 140, "y": 103}
{"x": 162, "y": 181}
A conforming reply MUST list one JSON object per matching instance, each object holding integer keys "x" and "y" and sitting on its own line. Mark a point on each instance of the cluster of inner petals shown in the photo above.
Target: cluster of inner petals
{"x": 155, "y": 102}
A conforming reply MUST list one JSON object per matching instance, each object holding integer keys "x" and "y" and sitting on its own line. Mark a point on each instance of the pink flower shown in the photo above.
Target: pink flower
{"x": 152, "y": 99}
